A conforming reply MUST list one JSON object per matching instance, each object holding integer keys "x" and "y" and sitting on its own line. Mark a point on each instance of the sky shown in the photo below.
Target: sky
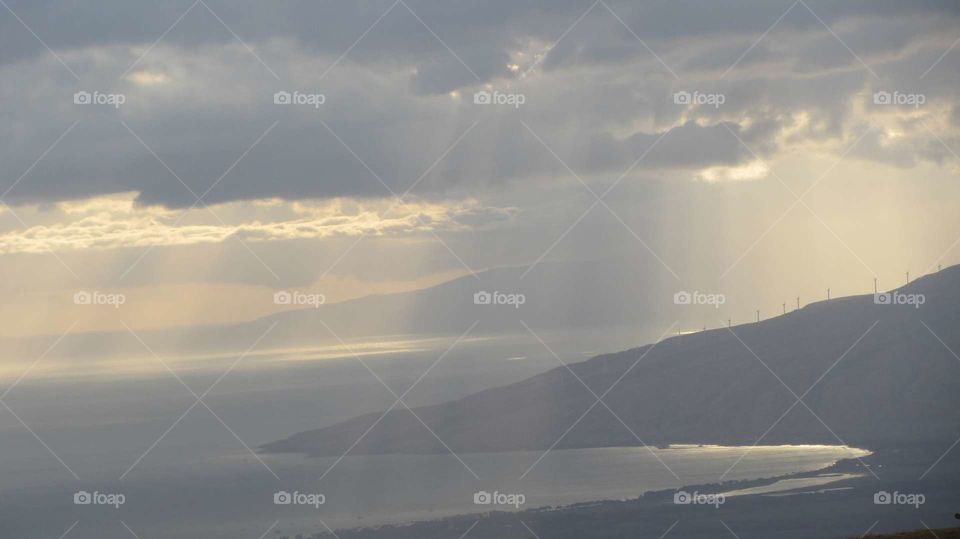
{"x": 195, "y": 157}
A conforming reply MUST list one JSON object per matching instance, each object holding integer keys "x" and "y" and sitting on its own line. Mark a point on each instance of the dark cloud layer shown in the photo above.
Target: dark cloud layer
{"x": 399, "y": 104}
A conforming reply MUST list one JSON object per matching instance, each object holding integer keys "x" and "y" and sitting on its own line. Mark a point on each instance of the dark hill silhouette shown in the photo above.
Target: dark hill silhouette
{"x": 898, "y": 384}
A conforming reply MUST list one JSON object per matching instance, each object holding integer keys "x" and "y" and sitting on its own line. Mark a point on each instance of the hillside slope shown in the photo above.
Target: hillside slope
{"x": 892, "y": 384}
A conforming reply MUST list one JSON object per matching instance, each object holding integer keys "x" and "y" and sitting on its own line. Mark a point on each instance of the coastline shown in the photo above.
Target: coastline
{"x": 850, "y": 468}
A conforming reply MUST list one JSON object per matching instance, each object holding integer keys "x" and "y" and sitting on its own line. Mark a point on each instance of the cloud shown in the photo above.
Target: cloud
{"x": 198, "y": 116}
{"x": 115, "y": 222}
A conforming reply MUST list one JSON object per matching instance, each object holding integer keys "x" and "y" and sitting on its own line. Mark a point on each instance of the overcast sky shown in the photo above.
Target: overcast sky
{"x": 761, "y": 148}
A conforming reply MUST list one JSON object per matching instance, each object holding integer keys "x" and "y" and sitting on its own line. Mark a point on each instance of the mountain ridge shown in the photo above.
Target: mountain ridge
{"x": 868, "y": 374}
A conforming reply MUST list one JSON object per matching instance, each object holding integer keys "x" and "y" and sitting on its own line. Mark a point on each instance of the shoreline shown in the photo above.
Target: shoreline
{"x": 850, "y": 466}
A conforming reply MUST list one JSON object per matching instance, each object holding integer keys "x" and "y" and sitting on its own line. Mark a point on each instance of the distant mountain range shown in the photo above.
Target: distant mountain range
{"x": 571, "y": 295}
{"x": 872, "y": 374}
{"x": 558, "y": 297}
